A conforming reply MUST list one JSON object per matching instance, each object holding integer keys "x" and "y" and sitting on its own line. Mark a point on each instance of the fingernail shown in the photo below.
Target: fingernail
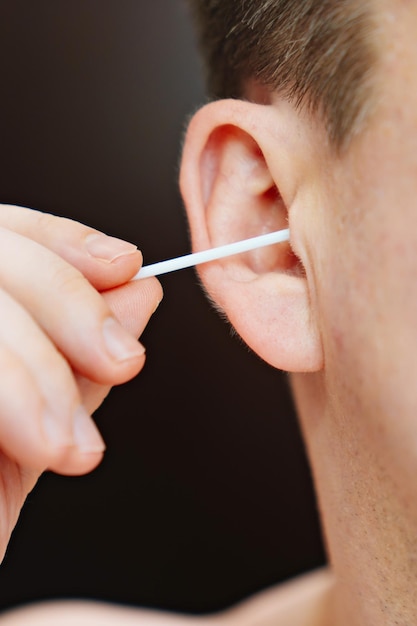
{"x": 156, "y": 306}
{"x": 120, "y": 344}
{"x": 86, "y": 436}
{"x": 56, "y": 432}
{"x": 107, "y": 248}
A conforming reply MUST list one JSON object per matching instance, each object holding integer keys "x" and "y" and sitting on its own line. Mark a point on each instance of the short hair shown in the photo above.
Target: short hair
{"x": 317, "y": 53}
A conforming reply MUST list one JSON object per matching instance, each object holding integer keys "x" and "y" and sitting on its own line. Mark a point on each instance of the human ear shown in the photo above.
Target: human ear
{"x": 238, "y": 180}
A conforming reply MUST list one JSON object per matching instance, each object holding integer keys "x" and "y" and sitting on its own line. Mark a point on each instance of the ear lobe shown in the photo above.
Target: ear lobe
{"x": 232, "y": 191}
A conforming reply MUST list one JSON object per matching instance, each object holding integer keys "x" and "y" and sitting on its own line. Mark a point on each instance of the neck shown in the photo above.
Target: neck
{"x": 369, "y": 533}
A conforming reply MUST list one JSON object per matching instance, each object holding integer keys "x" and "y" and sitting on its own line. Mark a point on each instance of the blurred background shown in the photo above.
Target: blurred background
{"x": 204, "y": 496}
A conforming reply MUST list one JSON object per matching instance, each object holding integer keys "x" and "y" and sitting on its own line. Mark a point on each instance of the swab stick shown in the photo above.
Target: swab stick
{"x": 188, "y": 260}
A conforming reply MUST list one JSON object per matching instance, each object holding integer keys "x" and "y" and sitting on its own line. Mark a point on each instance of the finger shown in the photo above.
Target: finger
{"x": 133, "y": 307}
{"x": 134, "y": 303}
{"x": 42, "y": 421}
{"x": 70, "y": 311}
{"x": 28, "y": 435}
{"x": 105, "y": 261}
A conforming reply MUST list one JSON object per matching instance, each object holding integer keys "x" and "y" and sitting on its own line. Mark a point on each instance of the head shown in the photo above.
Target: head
{"x": 313, "y": 124}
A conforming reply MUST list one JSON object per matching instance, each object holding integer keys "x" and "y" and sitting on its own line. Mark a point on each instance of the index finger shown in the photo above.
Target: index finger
{"x": 104, "y": 260}
{"x": 70, "y": 311}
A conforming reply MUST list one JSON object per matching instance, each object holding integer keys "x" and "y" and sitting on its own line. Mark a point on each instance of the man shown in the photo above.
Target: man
{"x": 323, "y": 136}
{"x": 319, "y": 130}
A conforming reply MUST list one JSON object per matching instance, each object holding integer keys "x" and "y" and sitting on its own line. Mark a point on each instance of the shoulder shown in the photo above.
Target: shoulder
{"x": 304, "y": 601}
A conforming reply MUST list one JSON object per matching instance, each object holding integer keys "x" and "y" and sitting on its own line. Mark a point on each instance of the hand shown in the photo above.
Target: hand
{"x": 63, "y": 291}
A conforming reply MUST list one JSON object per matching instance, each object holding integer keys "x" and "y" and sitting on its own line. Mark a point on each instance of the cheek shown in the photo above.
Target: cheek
{"x": 348, "y": 332}
{"x": 367, "y": 295}
{"x": 359, "y": 318}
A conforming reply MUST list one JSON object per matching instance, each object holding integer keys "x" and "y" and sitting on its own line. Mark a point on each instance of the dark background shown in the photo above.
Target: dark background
{"x": 204, "y": 496}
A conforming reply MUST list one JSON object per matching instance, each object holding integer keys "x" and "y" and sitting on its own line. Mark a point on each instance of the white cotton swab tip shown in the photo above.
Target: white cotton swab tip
{"x": 196, "y": 258}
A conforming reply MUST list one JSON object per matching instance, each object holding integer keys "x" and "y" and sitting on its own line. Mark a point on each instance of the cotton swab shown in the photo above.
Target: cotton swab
{"x": 212, "y": 254}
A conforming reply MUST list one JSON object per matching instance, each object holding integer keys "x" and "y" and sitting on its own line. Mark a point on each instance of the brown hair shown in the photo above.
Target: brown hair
{"x": 316, "y": 53}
